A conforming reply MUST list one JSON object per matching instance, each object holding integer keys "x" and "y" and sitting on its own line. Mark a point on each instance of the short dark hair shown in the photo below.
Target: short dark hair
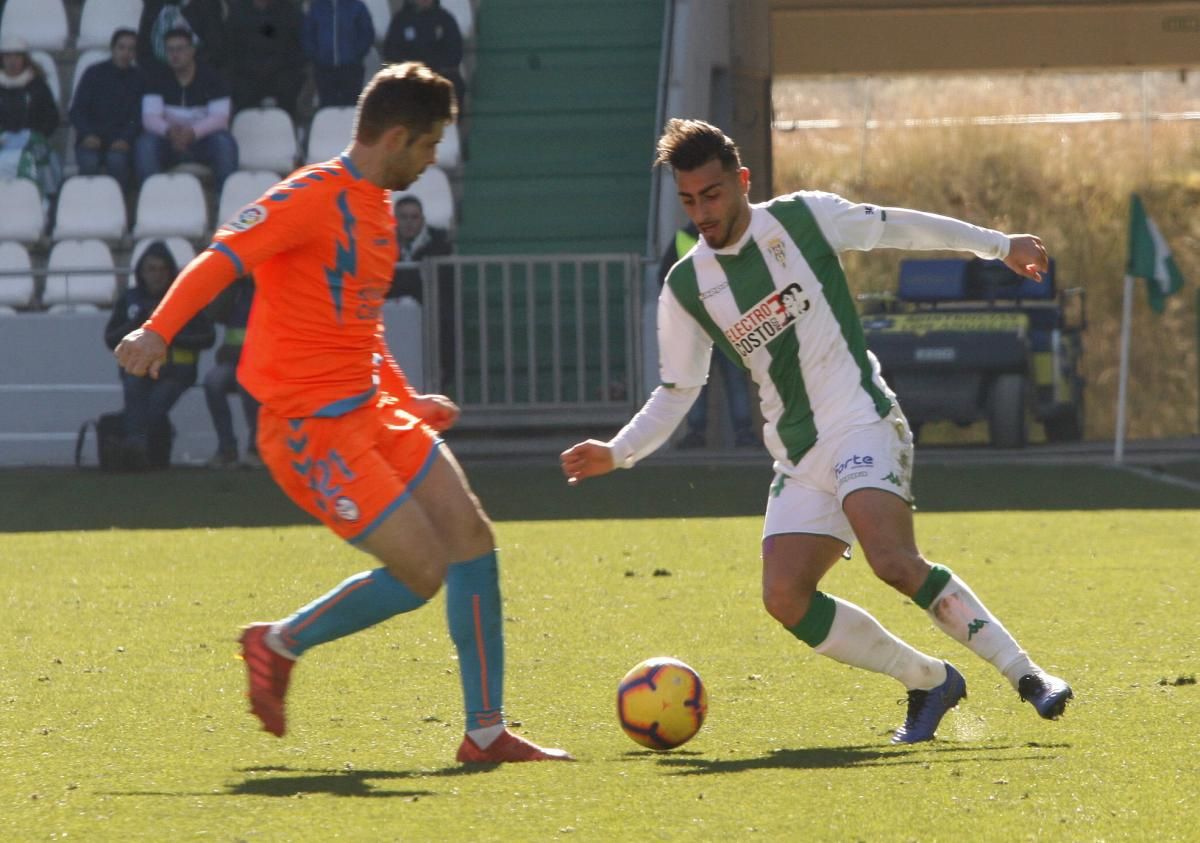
{"x": 688, "y": 144}
{"x": 409, "y": 199}
{"x": 179, "y": 32}
{"x": 409, "y": 95}
{"x": 119, "y": 33}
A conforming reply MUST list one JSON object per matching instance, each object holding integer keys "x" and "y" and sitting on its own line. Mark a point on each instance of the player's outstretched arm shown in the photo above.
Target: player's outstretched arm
{"x": 437, "y": 411}
{"x": 142, "y": 352}
{"x": 590, "y": 458}
{"x": 1027, "y": 256}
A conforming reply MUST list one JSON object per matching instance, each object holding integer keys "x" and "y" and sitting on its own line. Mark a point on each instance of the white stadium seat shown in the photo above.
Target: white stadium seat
{"x": 90, "y": 206}
{"x": 171, "y": 203}
{"x": 449, "y": 150}
{"x": 330, "y": 133}
{"x": 437, "y": 200}
{"x": 266, "y": 140}
{"x": 50, "y": 70}
{"x": 42, "y": 23}
{"x": 93, "y": 286}
{"x": 23, "y": 218}
{"x": 86, "y": 60}
{"x": 463, "y": 13}
{"x": 100, "y": 18}
{"x": 381, "y": 16}
{"x": 180, "y": 249}
{"x": 16, "y": 277}
{"x": 242, "y": 188}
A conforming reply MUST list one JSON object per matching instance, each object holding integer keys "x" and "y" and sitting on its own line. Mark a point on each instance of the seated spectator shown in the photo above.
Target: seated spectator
{"x": 28, "y": 116}
{"x": 337, "y": 36}
{"x": 204, "y": 18}
{"x": 423, "y": 31}
{"x": 106, "y": 112}
{"x": 148, "y": 401}
{"x": 416, "y": 241}
{"x": 232, "y": 308}
{"x": 185, "y": 115}
{"x": 266, "y": 62}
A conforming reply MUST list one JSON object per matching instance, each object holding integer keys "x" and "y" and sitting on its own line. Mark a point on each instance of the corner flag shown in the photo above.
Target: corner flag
{"x": 1150, "y": 256}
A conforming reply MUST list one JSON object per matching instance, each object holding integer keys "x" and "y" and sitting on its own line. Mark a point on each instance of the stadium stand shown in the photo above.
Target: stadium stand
{"x": 23, "y": 219}
{"x": 80, "y": 276}
{"x": 463, "y": 13}
{"x": 449, "y": 151}
{"x": 329, "y": 133}
{"x": 381, "y": 16}
{"x": 242, "y": 188}
{"x": 266, "y": 140}
{"x": 171, "y": 204}
{"x": 50, "y": 69}
{"x": 90, "y": 207}
{"x": 42, "y": 23}
{"x": 100, "y": 18}
{"x": 437, "y": 199}
{"x": 16, "y": 278}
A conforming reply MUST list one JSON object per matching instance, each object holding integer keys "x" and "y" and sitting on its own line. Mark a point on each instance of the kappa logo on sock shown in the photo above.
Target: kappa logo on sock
{"x": 974, "y": 626}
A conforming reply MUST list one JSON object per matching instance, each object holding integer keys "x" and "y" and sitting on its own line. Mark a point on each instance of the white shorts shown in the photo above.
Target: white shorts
{"x": 872, "y": 456}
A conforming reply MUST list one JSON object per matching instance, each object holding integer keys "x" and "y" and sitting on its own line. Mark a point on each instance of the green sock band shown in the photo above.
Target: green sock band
{"x": 932, "y": 587}
{"x": 814, "y": 626}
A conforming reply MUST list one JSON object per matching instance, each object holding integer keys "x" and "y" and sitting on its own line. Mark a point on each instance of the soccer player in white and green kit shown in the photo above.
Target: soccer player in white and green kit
{"x": 765, "y": 285}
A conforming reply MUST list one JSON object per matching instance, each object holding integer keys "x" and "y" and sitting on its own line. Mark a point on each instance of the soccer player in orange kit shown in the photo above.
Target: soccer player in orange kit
{"x": 341, "y": 430}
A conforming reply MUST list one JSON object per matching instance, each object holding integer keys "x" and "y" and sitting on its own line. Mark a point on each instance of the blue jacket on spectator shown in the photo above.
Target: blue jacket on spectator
{"x": 338, "y": 32}
{"x": 108, "y": 103}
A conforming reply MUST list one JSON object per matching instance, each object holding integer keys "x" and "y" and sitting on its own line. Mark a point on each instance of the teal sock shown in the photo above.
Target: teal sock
{"x": 361, "y": 601}
{"x": 473, "y": 612}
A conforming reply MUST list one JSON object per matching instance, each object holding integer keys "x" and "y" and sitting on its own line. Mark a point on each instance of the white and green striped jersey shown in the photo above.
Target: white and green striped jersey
{"x": 777, "y": 303}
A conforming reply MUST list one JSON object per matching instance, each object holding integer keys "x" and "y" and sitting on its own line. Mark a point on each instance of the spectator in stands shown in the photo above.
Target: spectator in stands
{"x": 421, "y": 30}
{"x": 28, "y": 116}
{"x": 106, "y": 111}
{"x": 149, "y": 400}
{"x": 737, "y": 392}
{"x": 266, "y": 61}
{"x": 232, "y": 308}
{"x": 205, "y": 19}
{"x": 337, "y": 36}
{"x": 417, "y": 241}
{"x": 185, "y": 115}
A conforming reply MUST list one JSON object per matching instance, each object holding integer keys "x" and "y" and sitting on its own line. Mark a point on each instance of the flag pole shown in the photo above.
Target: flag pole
{"x": 1123, "y": 377}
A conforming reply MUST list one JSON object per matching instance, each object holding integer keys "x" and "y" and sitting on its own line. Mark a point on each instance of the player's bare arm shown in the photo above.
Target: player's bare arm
{"x": 141, "y": 352}
{"x": 591, "y": 458}
{"x": 1027, "y": 256}
{"x": 437, "y": 411}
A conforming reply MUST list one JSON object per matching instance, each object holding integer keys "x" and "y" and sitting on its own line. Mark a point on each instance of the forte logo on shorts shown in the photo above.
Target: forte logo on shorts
{"x": 853, "y": 468}
{"x": 767, "y": 320}
{"x": 346, "y": 509}
{"x": 247, "y": 218}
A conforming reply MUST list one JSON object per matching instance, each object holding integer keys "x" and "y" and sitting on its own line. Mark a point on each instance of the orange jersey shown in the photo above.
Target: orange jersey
{"x": 321, "y": 245}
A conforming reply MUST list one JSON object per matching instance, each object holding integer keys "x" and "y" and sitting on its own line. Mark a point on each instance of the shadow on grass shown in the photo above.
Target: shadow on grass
{"x": 847, "y": 757}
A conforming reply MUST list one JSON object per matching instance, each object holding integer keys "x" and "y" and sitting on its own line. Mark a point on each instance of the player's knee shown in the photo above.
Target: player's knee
{"x": 786, "y": 602}
{"x": 902, "y": 570}
{"x": 423, "y": 580}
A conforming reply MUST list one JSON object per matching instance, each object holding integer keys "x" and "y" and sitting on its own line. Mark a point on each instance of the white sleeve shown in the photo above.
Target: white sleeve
{"x": 849, "y": 226}
{"x": 684, "y": 350}
{"x": 658, "y": 418}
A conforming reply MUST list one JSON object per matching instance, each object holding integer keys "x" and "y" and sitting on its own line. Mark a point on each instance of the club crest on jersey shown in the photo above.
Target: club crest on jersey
{"x": 247, "y": 218}
{"x": 768, "y": 319}
{"x": 778, "y": 251}
{"x": 346, "y": 509}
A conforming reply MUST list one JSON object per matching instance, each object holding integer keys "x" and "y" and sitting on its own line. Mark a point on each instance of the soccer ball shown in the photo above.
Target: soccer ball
{"x": 661, "y": 703}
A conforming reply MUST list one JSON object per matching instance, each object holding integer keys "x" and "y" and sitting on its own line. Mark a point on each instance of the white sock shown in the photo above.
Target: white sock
{"x": 483, "y": 737}
{"x": 855, "y": 638}
{"x": 956, "y": 611}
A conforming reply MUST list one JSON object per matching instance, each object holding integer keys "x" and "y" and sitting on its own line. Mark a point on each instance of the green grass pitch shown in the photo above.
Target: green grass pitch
{"x": 122, "y": 714}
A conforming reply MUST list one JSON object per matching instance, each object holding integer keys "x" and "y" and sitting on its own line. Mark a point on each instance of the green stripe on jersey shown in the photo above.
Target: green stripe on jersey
{"x": 796, "y": 426}
{"x": 797, "y": 219}
{"x": 686, "y": 288}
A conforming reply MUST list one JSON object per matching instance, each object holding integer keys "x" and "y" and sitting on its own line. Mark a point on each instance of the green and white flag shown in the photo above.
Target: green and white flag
{"x": 1150, "y": 256}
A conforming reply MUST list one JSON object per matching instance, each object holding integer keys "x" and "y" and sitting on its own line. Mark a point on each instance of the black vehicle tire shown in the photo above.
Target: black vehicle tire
{"x": 1006, "y": 412}
{"x": 1066, "y": 426}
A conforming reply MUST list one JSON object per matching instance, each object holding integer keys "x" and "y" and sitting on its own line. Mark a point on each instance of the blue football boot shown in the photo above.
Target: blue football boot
{"x": 1047, "y": 693}
{"x": 926, "y": 708}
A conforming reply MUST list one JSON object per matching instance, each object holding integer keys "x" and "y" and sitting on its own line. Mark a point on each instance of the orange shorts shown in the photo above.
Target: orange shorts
{"x": 349, "y": 471}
